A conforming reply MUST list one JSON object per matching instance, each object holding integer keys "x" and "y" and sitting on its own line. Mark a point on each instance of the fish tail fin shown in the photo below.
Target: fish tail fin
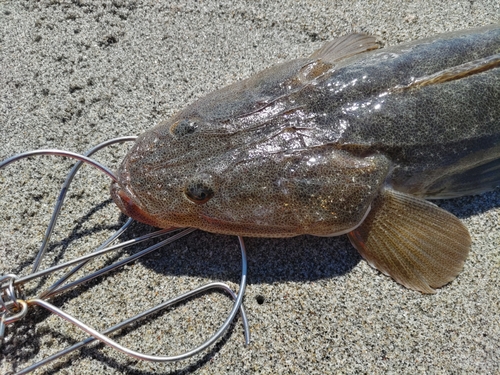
{"x": 412, "y": 240}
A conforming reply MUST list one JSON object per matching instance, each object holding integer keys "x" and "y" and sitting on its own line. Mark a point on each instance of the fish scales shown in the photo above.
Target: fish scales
{"x": 348, "y": 140}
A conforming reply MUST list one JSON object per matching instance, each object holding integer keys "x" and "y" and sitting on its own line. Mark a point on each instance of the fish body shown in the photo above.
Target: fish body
{"x": 352, "y": 139}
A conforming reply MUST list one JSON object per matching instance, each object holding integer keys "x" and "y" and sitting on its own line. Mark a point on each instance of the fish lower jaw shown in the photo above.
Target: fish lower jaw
{"x": 129, "y": 208}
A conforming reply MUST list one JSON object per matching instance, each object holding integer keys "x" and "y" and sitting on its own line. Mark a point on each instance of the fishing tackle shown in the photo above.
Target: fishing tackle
{"x": 14, "y": 305}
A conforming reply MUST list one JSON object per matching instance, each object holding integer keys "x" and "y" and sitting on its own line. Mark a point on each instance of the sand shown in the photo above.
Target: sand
{"x": 75, "y": 73}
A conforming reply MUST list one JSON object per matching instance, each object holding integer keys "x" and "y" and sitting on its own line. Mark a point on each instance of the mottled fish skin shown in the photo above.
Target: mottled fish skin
{"x": 311, "y": 145}
{"x": 432, "y": 133}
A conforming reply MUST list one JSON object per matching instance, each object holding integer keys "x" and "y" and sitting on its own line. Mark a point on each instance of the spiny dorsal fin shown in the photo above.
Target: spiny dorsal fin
{"x": 412, "y": 240}
{"x": 344, "y": 47}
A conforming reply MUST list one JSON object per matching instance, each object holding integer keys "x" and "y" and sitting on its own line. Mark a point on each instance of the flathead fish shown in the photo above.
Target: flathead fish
{"x": 350, "y": 140}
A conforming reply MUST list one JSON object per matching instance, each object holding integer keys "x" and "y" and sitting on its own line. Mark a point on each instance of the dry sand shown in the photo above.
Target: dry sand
{"x": 75, "y": 73}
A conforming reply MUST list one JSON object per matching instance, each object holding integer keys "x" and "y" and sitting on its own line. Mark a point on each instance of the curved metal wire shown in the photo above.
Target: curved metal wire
{"x": 132, "y": 353}
{"x": 68, "y": 154}
{"x": 14, "y": 307}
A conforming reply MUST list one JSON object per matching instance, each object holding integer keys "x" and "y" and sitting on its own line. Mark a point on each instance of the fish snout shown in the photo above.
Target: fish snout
{"x": 128, "y": 206}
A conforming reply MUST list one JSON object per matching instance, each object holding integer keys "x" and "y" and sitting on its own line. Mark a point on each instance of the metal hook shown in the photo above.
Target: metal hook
{"x": 14, "y": 307}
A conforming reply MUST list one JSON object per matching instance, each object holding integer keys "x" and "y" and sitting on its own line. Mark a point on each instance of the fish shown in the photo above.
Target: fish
{"x": 353, "y": 139}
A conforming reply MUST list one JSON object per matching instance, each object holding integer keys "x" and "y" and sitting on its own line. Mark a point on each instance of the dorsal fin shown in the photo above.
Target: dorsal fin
{"x": 344, "y": 47}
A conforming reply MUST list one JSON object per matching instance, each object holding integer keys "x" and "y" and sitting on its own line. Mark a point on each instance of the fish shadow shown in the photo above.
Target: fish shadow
{"x": 301, "y": 258}
{"x": 218, "y": 257}
{"x": 467, "y": 206}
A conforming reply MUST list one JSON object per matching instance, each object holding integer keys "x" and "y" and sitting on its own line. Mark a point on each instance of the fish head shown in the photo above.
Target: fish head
{"x": 239, "y": 161}
{"x": 243, "y": 183}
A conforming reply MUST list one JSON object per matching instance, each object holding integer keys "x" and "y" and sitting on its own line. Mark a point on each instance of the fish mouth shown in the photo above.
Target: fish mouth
{"x": 126, "y": 202}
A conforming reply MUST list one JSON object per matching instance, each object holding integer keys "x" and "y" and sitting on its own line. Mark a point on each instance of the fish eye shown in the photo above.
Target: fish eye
{"x": 198, "y": 192}
{"x": 183, "y": 127}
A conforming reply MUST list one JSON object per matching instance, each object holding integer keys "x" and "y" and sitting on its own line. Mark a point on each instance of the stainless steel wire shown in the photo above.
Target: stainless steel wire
{"x": 14, "y": 306}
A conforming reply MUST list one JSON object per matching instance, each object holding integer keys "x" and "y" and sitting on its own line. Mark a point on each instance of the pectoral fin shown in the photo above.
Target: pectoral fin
{"x": 412, "y": 240}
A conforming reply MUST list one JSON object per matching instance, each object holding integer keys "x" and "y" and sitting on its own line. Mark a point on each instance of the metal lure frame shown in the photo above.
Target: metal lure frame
{"x": 14, "y": 305}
